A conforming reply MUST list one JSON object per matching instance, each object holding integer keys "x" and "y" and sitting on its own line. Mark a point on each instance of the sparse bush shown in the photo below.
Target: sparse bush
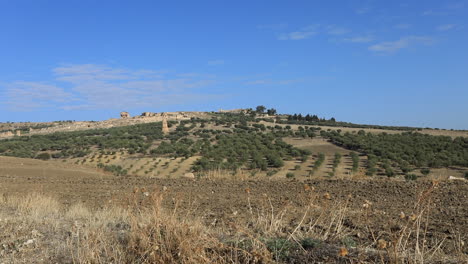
{"x": 319, "y": 161}
{"x": 355, "y": 159}
{"x": 411, "y": 177}
{"x": 336, "y": 161}
{"x": 271, "y": 173}
{"x": 43, "y": 156}
{"x": 281, "y": 248}
{"x": 425, "y": 171}
{"x": 310, "y": 243}
{"x": 290, "y": 175}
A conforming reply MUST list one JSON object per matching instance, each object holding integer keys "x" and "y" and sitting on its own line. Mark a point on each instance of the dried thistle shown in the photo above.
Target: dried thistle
{"x": 402, "y": 215}
{"x": 382, "y": 244}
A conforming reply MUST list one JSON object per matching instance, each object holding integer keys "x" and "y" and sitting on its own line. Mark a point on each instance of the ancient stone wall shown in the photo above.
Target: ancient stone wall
{"x": 117, "y": 122}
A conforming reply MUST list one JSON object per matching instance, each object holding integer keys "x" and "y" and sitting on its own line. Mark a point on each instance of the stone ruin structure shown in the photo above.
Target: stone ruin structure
{"x": 234, "y": 111}
{"x": 148, "y": 114}
{"x": 165, "y": 128}
{"x": 6, "y": 134}
{"x": 124, "y": 115}
{"x": 125, "y": 120}
{"x": 9, "y": 134}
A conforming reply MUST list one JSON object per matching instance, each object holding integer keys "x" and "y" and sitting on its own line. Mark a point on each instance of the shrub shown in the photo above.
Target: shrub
{"x": 271, "y": 173}
{"x": 308, "y": 243}
{"x": 319, "y": 161}
{"x": 336, "y": 161}
{"x": 411, "y": 177}
{"x": 425, "y": 171}
{"x": 43, "y": 156}
{"x": 290, "y": 175}
{"x": 280, "y": 247}
{"x": 297, "y": 167}
{"x": 466, "y": 175}
{"x": 355, "y": 159}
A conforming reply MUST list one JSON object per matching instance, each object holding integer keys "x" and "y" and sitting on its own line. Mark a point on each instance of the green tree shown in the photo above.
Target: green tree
{"x": 260, "y": 109}
{"x": 271, "y": 111}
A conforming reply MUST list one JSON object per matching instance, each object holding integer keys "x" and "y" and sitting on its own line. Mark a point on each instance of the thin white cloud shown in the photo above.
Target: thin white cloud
{"x": 445, "y": 27}
{"x": 403, "y": 26}
{"x": 456, "y": 6}
{"x": 272, "y": 82}
{"x": 362, "y": 10}
{"x": 433, "y": 13}
{"x": 89, "y": 86}
{"x": 303, "y": 33}
{"x": 273, "y": 27}
{"x": 215, "y": 62}
{"x": 312, "y": 30}
{"x": 405, "y": 42}
{"x": 26, "y": 96}
{"x": 336, "y": 30}
{"x": 360, "y": 39}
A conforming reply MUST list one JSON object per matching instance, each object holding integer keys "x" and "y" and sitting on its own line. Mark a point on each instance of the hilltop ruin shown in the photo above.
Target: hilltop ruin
{"x": 124, "y": 120}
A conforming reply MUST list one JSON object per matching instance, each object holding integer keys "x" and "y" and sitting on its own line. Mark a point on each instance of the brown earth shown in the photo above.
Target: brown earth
{"x": 222, "y": 201}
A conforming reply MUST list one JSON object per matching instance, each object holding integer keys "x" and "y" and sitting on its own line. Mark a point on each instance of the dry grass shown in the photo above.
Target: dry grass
{"x": 37, "y": 229}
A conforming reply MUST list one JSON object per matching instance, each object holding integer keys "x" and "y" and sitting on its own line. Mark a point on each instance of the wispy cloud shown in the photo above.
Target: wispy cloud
{"x": 312, "y": 30}
{"x": 25, "y": 96}
{"x": 403, "y": 26}
{"x": 433, "y": 13}
{"x": 90, "y": 86}
{"x": 363, "y": 10}
{"x": 360, "y": 39}
{"x": 272, "y": 82}
{"x": 303, "y": 33}
{"x": 456, "y": 6}
{"x": 274, "y": 27}
{"x": 405, "y": 42}
{"x": 336, "y": 30}
{"x": 445, "y": 27}
{"x": 215, "y": 62}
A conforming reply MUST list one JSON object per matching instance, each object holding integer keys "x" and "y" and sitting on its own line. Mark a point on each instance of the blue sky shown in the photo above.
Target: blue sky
{"x": 374, "y": 62}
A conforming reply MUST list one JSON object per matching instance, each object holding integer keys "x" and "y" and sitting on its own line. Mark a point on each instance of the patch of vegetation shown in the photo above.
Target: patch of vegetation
{"x": 319, "y": 161}
{"x": 117, "y": 170}
{"x": 371, "y": 165}
{"x": 336, "y": 161}
{"x": 407, "y": 148}
{"x": 135, "y": 138}
{"x": 43, "y": 156}
{"x": 255, "y": 151}
{"x": 280, "y": 248}
{"x": 425, "y": 171}
{"x": 316, "y": 121}
{"x": 355, "y": 159}
{"x": 411, "y": 177}
{"x": 271, "y": 173}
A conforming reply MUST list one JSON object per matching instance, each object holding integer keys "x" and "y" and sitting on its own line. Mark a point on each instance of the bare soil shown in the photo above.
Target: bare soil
{"x": 222, "y": 201}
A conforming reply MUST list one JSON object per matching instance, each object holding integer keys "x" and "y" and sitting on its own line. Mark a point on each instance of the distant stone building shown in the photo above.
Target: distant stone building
{"x": 124, "y": 115}
{"x": 6, "y": 134}
{"x": 148, "y": 114}
{"x": 233, "y": 111}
